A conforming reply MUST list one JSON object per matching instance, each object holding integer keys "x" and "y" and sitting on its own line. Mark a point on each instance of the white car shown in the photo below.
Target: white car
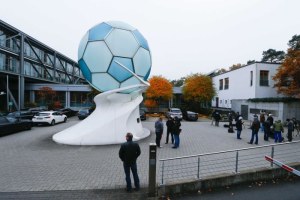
{"x": 49, "y": 117}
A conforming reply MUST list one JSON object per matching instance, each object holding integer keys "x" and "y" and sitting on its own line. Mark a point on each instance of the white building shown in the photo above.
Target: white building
{"x": 251, "y": 81}
{"x": 235, "y": 87}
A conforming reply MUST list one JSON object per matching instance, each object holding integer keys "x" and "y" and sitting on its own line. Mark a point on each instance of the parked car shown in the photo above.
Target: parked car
{"x": 143, "y": 115}
{"x": 10, "y": 125}
{"x": 190, "y": 116}
{"x": 68, "y": 112}
{"x": 49, "y": 117}
{"x": 21, "y": 115}
{"x": 174, "y": 112}
{"x": 84, "y": 113}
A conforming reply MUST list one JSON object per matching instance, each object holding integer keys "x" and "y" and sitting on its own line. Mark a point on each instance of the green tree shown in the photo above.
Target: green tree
{"x": 287, "y": 79}
{"x": 271, "y": 55}
{"x": 178, "y": 82}
{"x": 250, "y": 62}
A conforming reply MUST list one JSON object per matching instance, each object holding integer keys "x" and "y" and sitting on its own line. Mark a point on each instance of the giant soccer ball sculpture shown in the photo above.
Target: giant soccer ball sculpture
{"x": 115, "y": 59}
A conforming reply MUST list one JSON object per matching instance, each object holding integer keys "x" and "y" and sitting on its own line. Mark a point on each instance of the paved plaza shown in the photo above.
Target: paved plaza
{"x": 32, "y": 162}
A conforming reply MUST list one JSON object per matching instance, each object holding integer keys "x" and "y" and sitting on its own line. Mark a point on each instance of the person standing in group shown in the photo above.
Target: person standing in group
{"x": 267, "y": 130}
{"x": 213, "y": 117}
{"x": 262, "y": 120}
{"x": 128, "y": 153}
{"x": 217, "y": 118}
{"x": 237, "y": 116}
{"x": 239, "y": 127}
{"x": 159, "y": 129}
{"x": 271, "y": 120}
{"x": 278, "y": 128}
{"x": 290, "y": 127}
{"x": 176, "y": 132}
{"x": 255, "y": 128}
{"x": 169, "y": 124}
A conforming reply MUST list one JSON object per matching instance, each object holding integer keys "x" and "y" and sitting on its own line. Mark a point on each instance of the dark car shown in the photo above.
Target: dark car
{"x": 84, "y": 113}
{"x": 190, "y": 116}
{"x": 68, "y": 112}
{"x": 10, "y": 125}
{"x": 21, "y": 115}
{"x": 143, "y": 115}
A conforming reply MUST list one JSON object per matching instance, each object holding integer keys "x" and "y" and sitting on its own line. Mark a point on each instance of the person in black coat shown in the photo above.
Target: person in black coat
{"x": 239, "y": 127}
{"x": 128, "y": 153}
{"x": 267, "y": 130}
{"x": 176, "y": 132}
{"x": 170, "y": 124}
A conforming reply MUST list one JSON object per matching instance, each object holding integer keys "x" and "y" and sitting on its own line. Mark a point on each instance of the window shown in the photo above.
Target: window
{"x": 264, "y": 78}
{"x": 221, "y": 84}
{"x": 226, "y": 86}
{"x": 251, "y": 78}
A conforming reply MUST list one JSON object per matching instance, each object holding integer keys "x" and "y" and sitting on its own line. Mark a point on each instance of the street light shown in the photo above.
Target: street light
{"x": 2, "y": 93}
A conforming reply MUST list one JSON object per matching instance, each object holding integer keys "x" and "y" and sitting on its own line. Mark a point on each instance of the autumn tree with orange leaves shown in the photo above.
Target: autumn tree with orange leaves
{"x": 160, "y": 89}
{"x": 198, "y": 88}
{"x": 287, "y": 78}
{"x": 47, "y": 96}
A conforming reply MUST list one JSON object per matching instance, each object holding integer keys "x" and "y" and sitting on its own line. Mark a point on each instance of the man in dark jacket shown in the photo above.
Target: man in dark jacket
{"x": 159, "y": 129}
{"x": 255, "y": 128}
{"x": 128, "y": 153}
{"x": 176, "y": 132}
{"x": 170, "y": 123}
{"x": 239, "y": 127}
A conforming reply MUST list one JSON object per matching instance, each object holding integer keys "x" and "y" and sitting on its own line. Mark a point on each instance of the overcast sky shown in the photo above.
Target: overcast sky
{"x": 185, "y": 36}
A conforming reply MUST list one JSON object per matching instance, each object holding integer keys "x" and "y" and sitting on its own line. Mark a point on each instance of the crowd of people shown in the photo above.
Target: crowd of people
{"x": 130, "y": 151}
{"x": 264, "y": 123}
{"x": 173, "y": 130}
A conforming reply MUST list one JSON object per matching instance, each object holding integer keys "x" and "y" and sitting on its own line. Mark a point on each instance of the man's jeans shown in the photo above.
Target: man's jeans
{"x": 133, "y": 168}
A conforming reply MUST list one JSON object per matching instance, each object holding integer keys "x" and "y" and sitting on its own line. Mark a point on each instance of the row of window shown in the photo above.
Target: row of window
{"x": 263, "y": 80}
{"x": 226, "y": 85}
{"x": 12, "y": 64}
{"x": 32, "y": 52}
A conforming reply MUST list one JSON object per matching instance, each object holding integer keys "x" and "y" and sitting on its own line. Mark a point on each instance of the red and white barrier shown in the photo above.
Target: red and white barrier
{"x": 280, "y": 164}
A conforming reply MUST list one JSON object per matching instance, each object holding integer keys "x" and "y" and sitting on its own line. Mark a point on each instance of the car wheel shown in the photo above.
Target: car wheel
{"x": 65, "y": 120}
{"x": 52, "y": 122}
{"x": 28, "y": 127}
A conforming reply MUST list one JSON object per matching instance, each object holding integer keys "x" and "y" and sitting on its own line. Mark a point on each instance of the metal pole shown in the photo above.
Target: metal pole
{"x": 272, "y": 155}
{"x": 236, "y": 161}
{"x": 162, "y": 172}
{"x": 152, "y": 170}
{"x": 198, "y": 174}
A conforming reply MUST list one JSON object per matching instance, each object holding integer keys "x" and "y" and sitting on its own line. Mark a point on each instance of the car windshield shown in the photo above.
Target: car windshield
{"x": 83, "y": 111}
{"x": 11, "y": 119}
{"x": 42, "y": 114}
{"x": 13, "y": 114}
{"x": 176, "y": 111}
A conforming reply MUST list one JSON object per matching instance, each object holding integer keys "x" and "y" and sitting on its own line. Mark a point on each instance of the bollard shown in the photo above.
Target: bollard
{"x": 152, "y": 170}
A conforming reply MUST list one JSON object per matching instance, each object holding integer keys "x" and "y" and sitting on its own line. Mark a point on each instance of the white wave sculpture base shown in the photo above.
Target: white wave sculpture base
{"x": 114, "y": 116}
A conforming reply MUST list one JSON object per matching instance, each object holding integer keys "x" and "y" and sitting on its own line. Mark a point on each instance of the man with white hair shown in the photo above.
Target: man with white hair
{"x": 239, "y": 127}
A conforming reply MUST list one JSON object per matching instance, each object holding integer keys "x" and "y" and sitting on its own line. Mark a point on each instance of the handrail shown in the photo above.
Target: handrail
{"x": 227, "y": 151}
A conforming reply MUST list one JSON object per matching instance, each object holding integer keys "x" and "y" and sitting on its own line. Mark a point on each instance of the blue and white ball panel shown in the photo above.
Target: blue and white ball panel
{"x": 104, "y": 82}
{"x": 85, "y": 70}
{"x": 118, "y": 72}
{"x": 122, "y": 43}
{"x": 132, "y": 81}
{"x": 97, "y": 56}
{"x": 142, "y": 62}
{"x": 120, "y": 25}
{"x": 82, "y": 45}
{"x": 99, "y": 32}
{"x": 141, "y": 40}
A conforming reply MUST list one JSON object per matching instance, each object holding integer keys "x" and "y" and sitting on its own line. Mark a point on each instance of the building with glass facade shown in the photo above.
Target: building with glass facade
{"x": 24, "y": 62}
